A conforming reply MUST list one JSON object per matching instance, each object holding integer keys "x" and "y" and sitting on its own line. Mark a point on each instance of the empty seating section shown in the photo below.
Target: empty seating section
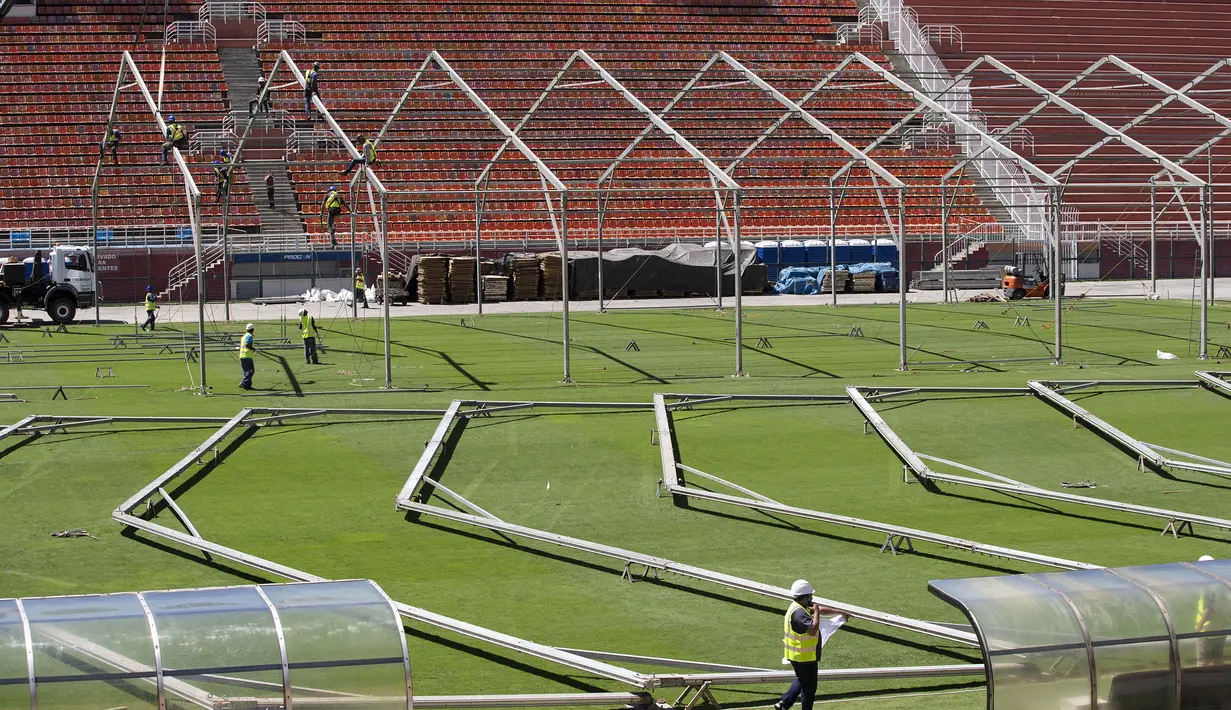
{"x": 1052, "y": 41}
{"x": 58, "y": 80}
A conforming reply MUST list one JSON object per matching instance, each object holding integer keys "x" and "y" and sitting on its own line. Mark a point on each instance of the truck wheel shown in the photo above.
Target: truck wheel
{"x": 4, "y": 314}
{"x": 62, "y": 309}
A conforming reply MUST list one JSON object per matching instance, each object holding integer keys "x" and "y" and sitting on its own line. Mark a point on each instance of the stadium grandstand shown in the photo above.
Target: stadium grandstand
{"x": 630, "y": 106}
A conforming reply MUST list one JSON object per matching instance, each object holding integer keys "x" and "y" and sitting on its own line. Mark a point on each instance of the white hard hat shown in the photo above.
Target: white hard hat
{"x": 303, "y": 311}
{"x": 1205, "y": 558}
{"x": 249, "y": 327}
{"x": 801, "y": 588}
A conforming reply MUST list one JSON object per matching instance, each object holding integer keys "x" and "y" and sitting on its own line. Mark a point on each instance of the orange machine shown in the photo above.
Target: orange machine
{"x": 1016, "y": 285}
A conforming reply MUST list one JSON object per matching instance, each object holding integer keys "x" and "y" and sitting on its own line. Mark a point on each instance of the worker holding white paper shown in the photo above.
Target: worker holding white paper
{"x": 805, "y": 630}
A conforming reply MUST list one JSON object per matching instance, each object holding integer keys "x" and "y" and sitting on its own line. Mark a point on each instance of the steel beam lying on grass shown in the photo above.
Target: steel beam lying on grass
{"x": 1155, "y": 456}
{"x": 752, "y": 677}
{"x": 1215, "y": 381}
{"x": 663, "y": 564}
{"x": 1176, "y": 519}
{"x": 758, "y": 502}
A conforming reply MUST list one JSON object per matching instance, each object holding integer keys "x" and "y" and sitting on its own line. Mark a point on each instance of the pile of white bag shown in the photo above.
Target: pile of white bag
{"x": 316, "y": 295}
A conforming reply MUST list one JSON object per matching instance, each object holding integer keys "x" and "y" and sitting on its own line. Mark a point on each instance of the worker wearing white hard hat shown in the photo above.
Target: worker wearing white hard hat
{"x": 1214, "y": 618}
{"x": 307, "y": 329}
{"x": 801, "y": 641}
{"x": 246, "y": 350}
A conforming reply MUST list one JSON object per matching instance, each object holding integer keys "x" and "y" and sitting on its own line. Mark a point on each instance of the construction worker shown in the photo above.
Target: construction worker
{"x": 1213, "y": 616}
{"x": 311, "y": 87}
{"x": 331, "y": 207}
{"x": 151, "y": 308}
{"x": 366, "y": 157}
{"x": 361, "y": 290}
{"x": 269, "y": 188}
{"x": 111, "y": 144}
{"x": 220, "y": 180}
{"x": 257, "y": 104}
{"x": 177, "y": 137}
{"x": 801, "y": 639}
{"x": 246, "y": 349}
{"x": 307, "y": 329}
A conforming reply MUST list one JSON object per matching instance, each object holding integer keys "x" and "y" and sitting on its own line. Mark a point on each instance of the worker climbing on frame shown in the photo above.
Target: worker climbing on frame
{"x": 311, "y": 87}
{"x": 247, "y": 347}
{"x": 801, "y": 644}
{"x": 151, "y": 308}
{"x": 367, "y": 156}
{"x": 331, "y": 207}
{"x": 264, "y": 105}
{"x": 111, "y": 144}
{"x": 309, "y": 332}
{"x": 1213, "y": 617}
{"x": 176, "y": 136}
{"x": 221, "y": 172}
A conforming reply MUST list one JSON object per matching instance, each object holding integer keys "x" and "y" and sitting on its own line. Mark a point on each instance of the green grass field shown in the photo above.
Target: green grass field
{"x": 318, "y": 495}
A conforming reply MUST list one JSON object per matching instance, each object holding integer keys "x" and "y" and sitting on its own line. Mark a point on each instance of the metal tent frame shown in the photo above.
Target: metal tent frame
{"x": 128, "y": 69}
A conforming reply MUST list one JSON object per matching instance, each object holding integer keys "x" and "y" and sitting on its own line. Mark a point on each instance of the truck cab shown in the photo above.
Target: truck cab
{"x": 60, "y": 284}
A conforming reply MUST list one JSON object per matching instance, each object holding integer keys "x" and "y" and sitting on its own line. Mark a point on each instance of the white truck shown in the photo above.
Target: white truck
{"x": 59, "y": 284}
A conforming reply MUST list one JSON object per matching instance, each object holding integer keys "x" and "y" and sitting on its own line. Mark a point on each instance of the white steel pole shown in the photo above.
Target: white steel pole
{"x": 1057, "y": 279}
{"x": 1206, "y": 193}
{"x": 737, "y": 252}
{"x": 833, "y": 246}
{"x": 196, "y": 241}
{"x": 568, "y": 377}
{"x": 944, "y": 245}
{"x": 1153, "y": 238}
{"x": 902, "y": 280}
{"x": 478, "y": 256}
{"x": 384, "y": 268}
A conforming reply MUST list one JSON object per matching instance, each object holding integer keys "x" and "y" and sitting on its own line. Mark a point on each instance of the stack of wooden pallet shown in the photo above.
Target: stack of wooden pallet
{"x": 549, "y": 276}
{"x": 461, "y": 279}
{"x": 841, "y": 276}
{"x": 433, "y": 280}
{"x": 495, "y": 289}
{"x": 863, "y": 282}
{"x": 524, "y": 268}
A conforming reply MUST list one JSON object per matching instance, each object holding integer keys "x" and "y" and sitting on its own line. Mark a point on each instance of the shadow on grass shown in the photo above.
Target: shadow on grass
{"x": 716, "y": 596}
{"x": 198, "y": 557}
{"x": 919, "y": 690}
{"x": 191, "y": 482}
{"x": 561, "y": 678}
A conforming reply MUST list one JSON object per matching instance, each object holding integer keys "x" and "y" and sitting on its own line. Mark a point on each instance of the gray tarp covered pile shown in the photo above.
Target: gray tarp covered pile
{"x": 675, "y": 270}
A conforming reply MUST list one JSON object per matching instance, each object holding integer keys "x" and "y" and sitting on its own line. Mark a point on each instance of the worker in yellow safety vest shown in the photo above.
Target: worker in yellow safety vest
{"x": 307, "y": 329}
{"x": 801, "y": 638}
{"x": 331, "y": 207}
{"x": 361, "y": 288}
{"x": 311, "y": 87}
{"x": 1213, "y": 617}
{"x": 367, "y": 156}
{"x": 177, "y": 137}
{"x": 151, "y": 308}
{"x": 246, "y": 349}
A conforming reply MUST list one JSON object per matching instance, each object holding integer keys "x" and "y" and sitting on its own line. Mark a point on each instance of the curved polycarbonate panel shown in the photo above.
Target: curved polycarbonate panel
{"x": 92, "y": 652}
{"x": 207, "y": 648}
{"x": 1031, "y": 639}
{"x": 229, "y": 632}
{"x": 1129, "y": 635}
{"x": 14, "y": 680}
{"x": 349, "y": 623}
{"x": 1157, "y": 635}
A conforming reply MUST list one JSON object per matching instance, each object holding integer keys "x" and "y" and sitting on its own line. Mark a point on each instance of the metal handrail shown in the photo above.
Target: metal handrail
{"x": 860, "y": 33}
{"x": 944, "y": 34}
{"x": 1019, "y": 138}
{"x": 312, "y": 140}
{"x": 225, "y": 11}
{"x": 211, "y": 141}
{"x": 283, "y": 30}
{"x": 276, "y": 119}
{"x": 191, "y": 31}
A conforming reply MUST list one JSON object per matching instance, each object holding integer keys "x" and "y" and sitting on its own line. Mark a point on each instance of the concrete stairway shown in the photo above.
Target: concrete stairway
{"x": 241, "y": 69}
{"x": 284, "y": 217}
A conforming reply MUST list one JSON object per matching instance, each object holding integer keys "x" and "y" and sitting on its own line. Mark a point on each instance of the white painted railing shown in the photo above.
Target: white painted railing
{"x": 860, "y": 33}
{"x": 212, "y": 141}
{"x": 191, "y": 31}
{"x": 230, "y": 11}
{"x": 280, "y": 31}
{"x": 279, "y": 120}
{"x": 1020, "y": 139}
{"x": 943, "y": 34}
{"x": 312, "y": 140}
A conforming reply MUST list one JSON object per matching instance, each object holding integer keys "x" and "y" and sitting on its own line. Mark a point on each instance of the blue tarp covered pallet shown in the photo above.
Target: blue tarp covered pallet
{"x": 807, "y": 280}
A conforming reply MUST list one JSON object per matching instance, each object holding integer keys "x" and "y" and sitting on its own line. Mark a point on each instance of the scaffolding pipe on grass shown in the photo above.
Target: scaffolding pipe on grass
{"x": 1211, "y": 380}
{"x": 192, "y": 195}
{"x": 756, "y": 501}
{"x": 914, "y": 464}
{"x": 1146, "y": 453}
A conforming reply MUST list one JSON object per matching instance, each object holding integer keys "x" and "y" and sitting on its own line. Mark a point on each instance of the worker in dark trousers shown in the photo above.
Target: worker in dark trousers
{"x": 177, "y": 137}
{"x": 307, "y": 329}
{"x": 256, "y": 104}
{"x": 246, "y": 350}
{"x": 151, "y": 308}
{"x": 367, "y": 156}
{"x": 361, "y": 288}
{"x": 331, "y": 207}
{"x": 269, "y": 188}
{"x": 801, "y": 645}
{"x": 220, "y": 180}
{"x": 311, "y": 87}
{"x": 111, "y": 144}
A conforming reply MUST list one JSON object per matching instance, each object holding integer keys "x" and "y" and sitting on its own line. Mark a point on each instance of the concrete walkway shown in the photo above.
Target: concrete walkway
{"x": 243, "y": 311}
